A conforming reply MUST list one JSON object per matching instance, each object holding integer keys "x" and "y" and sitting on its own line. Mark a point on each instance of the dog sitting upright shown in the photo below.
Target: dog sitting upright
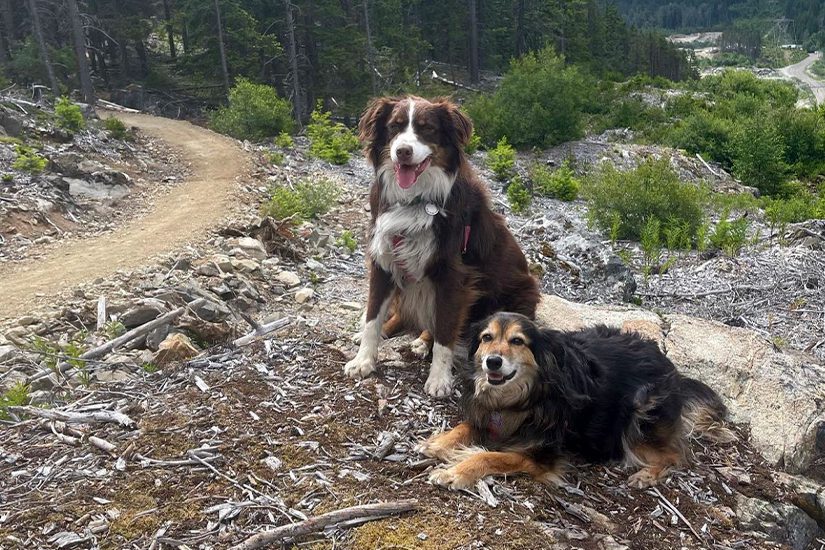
{"x": 436, "y": 247}
{"x": 533, "y": 398}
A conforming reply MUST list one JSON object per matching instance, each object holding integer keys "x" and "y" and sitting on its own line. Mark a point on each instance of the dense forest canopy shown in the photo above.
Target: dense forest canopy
{"x": 800, "y": 21}
{"x": 338, "y": 51}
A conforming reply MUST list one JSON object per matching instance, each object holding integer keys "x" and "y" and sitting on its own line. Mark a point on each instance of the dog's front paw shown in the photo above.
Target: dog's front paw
{"x": 360, "y": 367}
{"x": 420, "y": 347}
{"x": 451, "y": 478}
{"x": 431, "y": 448}
{"x": 356, "y": 338}
{"x": 642, "y": 479}
{"x": 439, "y": 384}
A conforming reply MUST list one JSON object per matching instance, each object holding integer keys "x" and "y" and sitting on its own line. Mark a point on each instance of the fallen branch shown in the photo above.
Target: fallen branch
{"x": 711, "y": 170}
{"x": 669, "y": 505}
{"x": 707, "y": 293}
{"x": 119, "y": 341}
{"x": 261, "y": 330}
{"x": 365, "y": 512}
{"x": 115, "y": 107}
{"x": 435, "y": 76}
{"x": 70, "y": 417}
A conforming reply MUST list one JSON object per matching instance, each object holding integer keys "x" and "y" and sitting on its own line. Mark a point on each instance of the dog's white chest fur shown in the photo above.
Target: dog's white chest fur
{"x": 403, "y": 242}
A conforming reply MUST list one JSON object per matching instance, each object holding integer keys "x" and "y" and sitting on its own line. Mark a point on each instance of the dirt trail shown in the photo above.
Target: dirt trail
{"x": 800, "y": 71}
{"x": 182, "y": 215}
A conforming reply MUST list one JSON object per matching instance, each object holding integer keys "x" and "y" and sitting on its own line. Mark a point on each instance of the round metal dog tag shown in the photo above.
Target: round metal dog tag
{"x": 431, "y": 209}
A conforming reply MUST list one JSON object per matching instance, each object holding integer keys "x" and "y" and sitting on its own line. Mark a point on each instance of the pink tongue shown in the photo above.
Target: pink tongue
{"x": 405, "y": 175}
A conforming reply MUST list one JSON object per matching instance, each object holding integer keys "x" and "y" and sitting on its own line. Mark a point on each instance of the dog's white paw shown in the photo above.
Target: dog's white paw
{"x": 360, "y": 367}
{"x": 439, "y": 384}
{"x": 356, "y": 338}
{"x": 451, "y": 479}
{"x": 420, "y": 347}
{"x": 428, "y": 448}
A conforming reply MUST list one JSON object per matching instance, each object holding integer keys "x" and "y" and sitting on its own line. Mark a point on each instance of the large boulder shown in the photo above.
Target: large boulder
{"x": 779, "y": 395}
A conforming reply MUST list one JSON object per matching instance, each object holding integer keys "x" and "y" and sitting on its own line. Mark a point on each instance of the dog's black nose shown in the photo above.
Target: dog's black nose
{"x": 404, "y": 154}
{"x": 493, "y": 362}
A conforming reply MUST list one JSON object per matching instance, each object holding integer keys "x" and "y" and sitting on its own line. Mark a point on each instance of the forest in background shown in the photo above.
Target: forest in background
{"x": 340, "y": 51}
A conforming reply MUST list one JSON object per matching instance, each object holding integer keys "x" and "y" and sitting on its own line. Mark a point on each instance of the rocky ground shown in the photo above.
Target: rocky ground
{"x": 191, "y": 435}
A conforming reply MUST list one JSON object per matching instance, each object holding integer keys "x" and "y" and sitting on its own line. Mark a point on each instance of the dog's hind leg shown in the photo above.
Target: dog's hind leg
{"x": 444, "y": 445}
{"x": 482, "y": 464}
{"x": 422, "y": 345}
{"x": 658, "y": 460}
{"x": 380, "y": 294}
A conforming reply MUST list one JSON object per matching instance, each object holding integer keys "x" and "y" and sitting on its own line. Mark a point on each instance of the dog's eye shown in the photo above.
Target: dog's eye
{"x": 395, "y": 126}
{"x": 486, "y": 338}
{"x": 517, "y": 341}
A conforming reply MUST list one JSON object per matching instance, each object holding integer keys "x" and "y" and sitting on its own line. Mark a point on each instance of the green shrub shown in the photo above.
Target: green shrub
{"x": 540, "y": 102}
{"x": 730, "y": 236}
{"x": 329, "y": 140}
{"x": 559, "y": 184}
{"x": 704, "y": 133}
{"x": 502, "y": 160}
{"x": 623, "y": 202}
{"x": 68, "y": 115}
{"x": 801, "y": 206}
{"x": 284, "y": 141}
{"x": 116, "y": 128}
{"x": 758, "y": 156}
{"x": 473, "y": 145}
{"x": 254, "y": 112}
{"x": 17, "y": 395}
{"x": 347, "y": 240}
{"x": 8, "y": 178}
{"x": 651, "y": 242}
{"x": 518, "y": 195}
{"x": 275, "y": 157}
{"x": 29, "y": 161}
{"x": 306, "y": 200}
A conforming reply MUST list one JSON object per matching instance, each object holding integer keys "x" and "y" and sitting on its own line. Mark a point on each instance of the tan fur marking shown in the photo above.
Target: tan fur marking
{"x": 467, "y": 472}
{"x": 443, "y": 446}
{"x": 658, "y": 462}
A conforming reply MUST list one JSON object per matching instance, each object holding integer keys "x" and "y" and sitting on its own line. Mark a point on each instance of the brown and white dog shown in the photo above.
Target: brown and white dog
{"x": 437, "y": 250}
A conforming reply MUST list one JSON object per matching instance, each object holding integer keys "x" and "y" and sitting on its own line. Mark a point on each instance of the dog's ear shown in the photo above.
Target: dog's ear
{"x": 372, "y": 128}
{"x": 474, "y": 338}
{"x": 458, "y": 125}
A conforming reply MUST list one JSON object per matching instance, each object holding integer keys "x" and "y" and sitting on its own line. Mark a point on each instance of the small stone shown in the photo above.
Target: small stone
{"x": 351, "y": 306}
{"x": 27, "y": 320}
{"x": 315, "y": 265}
{"x": 211, "y": 311}
{"x": 303, "y": 295}
{"x": 142, "y": 314}
{"x": 252, "y": 247}
{"x": 176, "y": 347}
{"x": 208, "y": 269}
{"x": 223, "y": 262}
{"x": 246, "y": 266}
{"x": 9, "y": 353}
{"x": 288, "y": 278}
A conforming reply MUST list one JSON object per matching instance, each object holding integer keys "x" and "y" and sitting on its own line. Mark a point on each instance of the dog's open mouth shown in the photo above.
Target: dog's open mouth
{"x": 407, "y": 174}
{"x": 497, "y": 379}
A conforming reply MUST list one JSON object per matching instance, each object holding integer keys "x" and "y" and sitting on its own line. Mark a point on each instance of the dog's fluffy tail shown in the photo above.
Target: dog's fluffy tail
{"x": 704, "y": 413}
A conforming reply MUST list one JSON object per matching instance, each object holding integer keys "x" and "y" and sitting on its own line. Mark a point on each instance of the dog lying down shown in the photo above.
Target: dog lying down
{"x": 532, "y": 398}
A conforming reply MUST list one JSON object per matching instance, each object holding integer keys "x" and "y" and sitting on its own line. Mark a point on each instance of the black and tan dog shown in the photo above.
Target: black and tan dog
{"x": 534, "y": 398}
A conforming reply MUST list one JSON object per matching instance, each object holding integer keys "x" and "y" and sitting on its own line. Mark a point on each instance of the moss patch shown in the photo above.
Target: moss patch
{"x": 438, "y": 533}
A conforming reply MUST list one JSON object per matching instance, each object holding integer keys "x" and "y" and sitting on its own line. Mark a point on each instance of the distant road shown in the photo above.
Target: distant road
{"x": 800, "y": 71}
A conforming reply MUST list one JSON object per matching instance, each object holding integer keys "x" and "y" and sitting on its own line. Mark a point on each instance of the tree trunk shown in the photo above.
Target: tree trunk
{"x": 370, "y": 56}
{"x": 143, "y": 58}
{"x": 297, "y": 107}
{"x": 185, "y": 38}
{"x": 41, "y": 45}
{"x": 520, "y": 45}
{"x": 87, "y": 90}
{"x": 222, "y": 48}
{"x": 474, "y": 69}
{"x": 170, "y": 31}
{"x": 7, "y": 14}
